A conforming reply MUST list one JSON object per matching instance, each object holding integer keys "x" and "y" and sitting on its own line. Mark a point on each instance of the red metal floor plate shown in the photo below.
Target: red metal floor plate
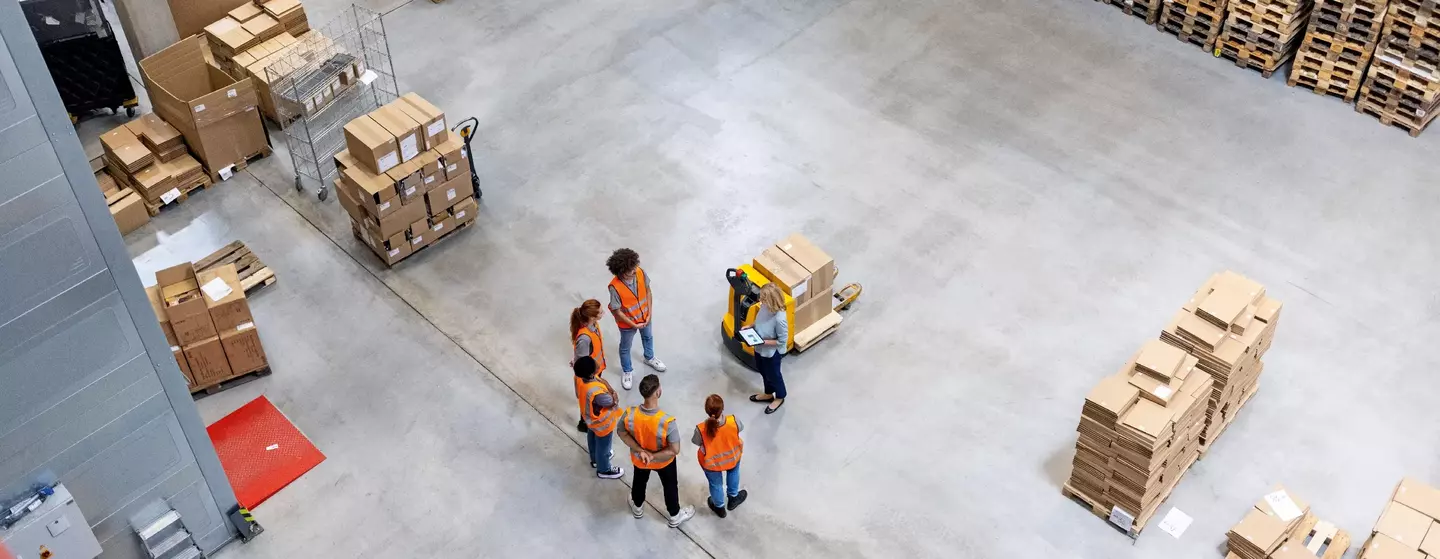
{"x": 261, "y": 451}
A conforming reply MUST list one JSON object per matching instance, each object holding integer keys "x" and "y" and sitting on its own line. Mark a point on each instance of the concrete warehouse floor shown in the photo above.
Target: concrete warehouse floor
{"x": 1027, "y": 189}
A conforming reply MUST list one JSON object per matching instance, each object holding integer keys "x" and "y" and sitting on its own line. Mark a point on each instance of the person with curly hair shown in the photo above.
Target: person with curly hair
{"x": 630, "y": 302}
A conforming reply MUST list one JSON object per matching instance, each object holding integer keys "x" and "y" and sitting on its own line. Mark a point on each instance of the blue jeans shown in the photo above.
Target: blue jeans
{"x": 600, "y": 450}
{"x": 718, "y": 481}
{"x": 770, "y": 373}
{"x": 627, "y": 337}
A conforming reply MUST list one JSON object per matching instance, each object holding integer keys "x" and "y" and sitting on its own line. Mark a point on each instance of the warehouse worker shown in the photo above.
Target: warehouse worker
{"x": 654, "y": 443}
{"x": 774, "y": 329}
{"x": 630, "y": 303}
{"x": 586, "y": 341}
{"x": 718, "y": 447}
{"x": 602, "y": 414}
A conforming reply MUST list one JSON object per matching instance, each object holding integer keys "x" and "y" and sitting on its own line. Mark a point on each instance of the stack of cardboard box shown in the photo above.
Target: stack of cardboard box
{"x": 216, "y": 113}
{"x": 1280, "y": 526}
{"x": 804, "y": 272}
{"x": 404, "y": 180}
{"x": 251, "y": 24}
{"x": 1139, "y": 432}
{"x": 148, "y": 156}
{"x": 289, "y": 13}
{"x": 127, "y": 208}
{"x": 1402, "y": 88}
{"x": 1408, "y": 528}
{"x": 1228, "y": 324}
{"x": 207, "y": 321}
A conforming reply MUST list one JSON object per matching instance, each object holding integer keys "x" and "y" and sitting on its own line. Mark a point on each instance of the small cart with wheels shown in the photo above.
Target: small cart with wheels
{"x": 83, "y": 56}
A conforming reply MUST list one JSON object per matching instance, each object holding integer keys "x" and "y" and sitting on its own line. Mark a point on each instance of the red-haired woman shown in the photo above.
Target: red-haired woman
{"x": 719, "y": 448}
{"x": 586, "y": 341}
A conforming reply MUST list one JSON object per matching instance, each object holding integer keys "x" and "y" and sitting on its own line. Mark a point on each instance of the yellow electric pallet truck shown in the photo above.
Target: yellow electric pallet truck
{"x": 745, "y": 284}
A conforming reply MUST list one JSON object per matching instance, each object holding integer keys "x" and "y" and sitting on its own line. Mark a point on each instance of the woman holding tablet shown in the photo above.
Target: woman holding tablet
{"x": 774, "y": 330}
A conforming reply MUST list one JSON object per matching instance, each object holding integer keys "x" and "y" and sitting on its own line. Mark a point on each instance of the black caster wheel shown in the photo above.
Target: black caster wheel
{"x": 299, "y": 187}
{"x": 324, "y": 193}
{"x": 130, "y": 111}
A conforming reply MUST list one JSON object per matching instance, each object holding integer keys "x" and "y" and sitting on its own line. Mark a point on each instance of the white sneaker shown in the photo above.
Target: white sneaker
{"x": 656, "y": 364}
{"x": 682, "y": 516}
{"x": 638, "y": 511}
{"x": 627, "y": 380}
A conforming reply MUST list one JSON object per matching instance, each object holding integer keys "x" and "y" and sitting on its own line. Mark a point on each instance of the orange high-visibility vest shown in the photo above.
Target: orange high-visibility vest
{"x": 597, "y": 352}
{"x": 604, "y": 423}
{"x": 722, "y": 452}
{"x": 635, "y": 306}
{"x": 650, "y": 432}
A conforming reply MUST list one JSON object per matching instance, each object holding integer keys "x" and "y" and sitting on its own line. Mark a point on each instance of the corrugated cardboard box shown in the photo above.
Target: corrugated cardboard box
{"x": 407, "y": 180}
{"x": 810, "y": 312}
{"x": 1381, "y": 546}
{"x": 263, "y": 27}
{"x": 789, "y": 275}
{"x": 420, "y": 235}
{"x": 208, "y": 363}
{"x": 820, "y": 265}
{"x": 153, "y": 293}
{"x": 454, "y": 159}
{"x": 224, "y": 297}
{"x": 245, "y": 12}
{"x": 430, "y": 117}
{"x": 369, "y": 143}
{"x": 394, "y": 249}
{"x": 464, "y": 211}
{"x": 215, "y": 112}
{"x": 184, "y": 364}
{"x": 439, "y": 226}
{"x": 184, "y": 303}
{"x": 431, "y": 173}
{"x": 128, "y": 210}
{"x": 347, "y": 200}
{"x": 404, "y": 129}
{"x": 398, "y": 221}
{"x": 376, "y": 193}
{"x": 452, "y": 192}
{"x": 243, "y": 350}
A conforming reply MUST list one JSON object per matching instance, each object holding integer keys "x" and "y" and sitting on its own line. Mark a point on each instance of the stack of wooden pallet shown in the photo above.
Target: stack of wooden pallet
{"x": 1338, "y": 44}
{"x": 1228, "y": 325}
{"x": 1148, "y": 10}
{"x": 1139, "y": 433}
{"x": 1402, "y": 88}
{"x": 1263, "y": 34}
{"x": 1193, "y": 21}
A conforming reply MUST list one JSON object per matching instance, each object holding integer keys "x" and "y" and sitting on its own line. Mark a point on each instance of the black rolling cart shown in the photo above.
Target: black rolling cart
{"x": 83, "y": 55}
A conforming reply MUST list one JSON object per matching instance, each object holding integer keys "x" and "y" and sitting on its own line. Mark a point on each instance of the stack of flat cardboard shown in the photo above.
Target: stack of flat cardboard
{"x": 1263, "y": 34}
{"x": 207, "y": 321}
{"x": 804, "y": 272}
{"x": 404, "y": 181}
{"x": 1408, "y": 528}
{"x": 157, "y": 180}
{"x": 1402, "y": 88}
{"x": 228, "y": 37}
{"x": 215, "y": 112}
{"x": 1228, "y": 324}
{"x": 1139, "y": 432}
{"x": 290, "y": 14}
{"x": 158, "y": 136}
{"x": 1280, "y": 526}
{"x": 126, "y": 207}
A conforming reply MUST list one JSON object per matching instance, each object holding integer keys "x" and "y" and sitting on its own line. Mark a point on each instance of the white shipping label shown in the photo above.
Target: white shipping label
{"x": 1175, "y": 522}
{"x": 216, "y": 289}
{"x": 464, "y": 153}
{"x": 174, "y": 348}
{"x": 245, "y": 326}
{"x": 460, "y": 214}
{"x": 1283, "y": 506}
{"x": 231, "y": 94}
{"x": 437, "y": 227}
{"x": 410, "y": 147}
{"x": 451, "y": 168}
{"x": 799, "y": 290}
{"x": 388, "y": 161}
{"x": 170, "y": 196}
{"x": 450, "y": 195}
{"x": 199, "y": 108}
{"x": 394, "y": 252}
{"x": 1120, "y": 518}
{"x": 226, "y": 172}
{"x": 382, "y": 207}
{"x": 410, "y": 191}
{"x": 435, "y": 128}
{"x": 309, "y": 105}
{"x": 1163, "y": 392}
{"x": 368, "y": 77}
{"x": 429, "y": 179}
{"x": 417, "y": 240}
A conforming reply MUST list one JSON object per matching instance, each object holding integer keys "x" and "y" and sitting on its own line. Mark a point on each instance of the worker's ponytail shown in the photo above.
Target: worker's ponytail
{"x": 714, "y": 406}
{"x": 582, "y": 315}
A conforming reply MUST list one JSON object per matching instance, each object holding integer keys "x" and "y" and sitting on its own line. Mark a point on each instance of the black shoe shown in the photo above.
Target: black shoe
{"x": 581, "y": 427}
{"x": 719, "y": 511}
{"x": 737, "y": 499}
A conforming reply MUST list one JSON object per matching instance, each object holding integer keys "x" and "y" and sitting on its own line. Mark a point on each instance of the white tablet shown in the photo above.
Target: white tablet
{"x": 751, "y": 337}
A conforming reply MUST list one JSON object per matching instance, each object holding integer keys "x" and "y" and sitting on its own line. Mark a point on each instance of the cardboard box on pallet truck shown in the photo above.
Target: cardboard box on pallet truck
{"x": 370, "y": 144}
{"x": 216, "y": 113}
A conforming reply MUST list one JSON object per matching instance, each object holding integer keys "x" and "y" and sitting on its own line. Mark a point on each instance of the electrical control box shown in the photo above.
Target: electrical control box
{"x": 55, "y": 530}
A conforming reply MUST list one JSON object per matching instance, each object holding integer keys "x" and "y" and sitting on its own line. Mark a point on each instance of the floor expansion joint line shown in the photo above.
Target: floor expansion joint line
{"x": 455, "y": 342}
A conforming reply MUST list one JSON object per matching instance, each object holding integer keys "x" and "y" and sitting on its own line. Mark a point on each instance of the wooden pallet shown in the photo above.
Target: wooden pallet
{"x": 1263, "y": 61}
{"x": 253, "y": 273}
{"x": 457, "y": 229}
{"x": 1148, "y": 10}
{"x": 1389, "y": 119}
{"x": 154, "y": 207}
{"x": 244, "y": 162}
{"x": 237, "y": 380}
{"x": 1194, "y": 23}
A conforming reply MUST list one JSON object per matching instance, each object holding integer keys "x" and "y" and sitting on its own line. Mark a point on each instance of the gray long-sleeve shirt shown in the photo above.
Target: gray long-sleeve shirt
{"x": 582, "y": 345}
{"x": 771, "y": 326}
{"x": 700, "y": 441}
{"x": 632, "y": 284}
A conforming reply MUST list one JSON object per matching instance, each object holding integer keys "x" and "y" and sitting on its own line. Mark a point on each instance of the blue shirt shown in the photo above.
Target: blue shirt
{"x": 771, "y": 326}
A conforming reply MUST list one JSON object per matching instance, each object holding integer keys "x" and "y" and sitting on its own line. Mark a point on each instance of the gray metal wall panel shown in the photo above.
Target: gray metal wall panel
{"x": 89, "y": 393}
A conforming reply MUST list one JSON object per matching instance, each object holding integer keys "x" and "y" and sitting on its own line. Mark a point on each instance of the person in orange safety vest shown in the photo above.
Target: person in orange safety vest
{"x": 602, "y": 412}
{"x": 586, "y": 341}
{"x": 651, "y": 435}
{"x": 630, "y": 302}
{"x": 719, "y": 448}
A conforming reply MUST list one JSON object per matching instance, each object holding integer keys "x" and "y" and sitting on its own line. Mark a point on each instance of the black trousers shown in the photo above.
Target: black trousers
{"x": 770, "y": 373}
{"x": 668, "y": 481}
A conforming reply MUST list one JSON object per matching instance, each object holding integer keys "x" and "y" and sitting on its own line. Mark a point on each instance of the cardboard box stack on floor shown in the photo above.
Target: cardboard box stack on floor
{"x": 216, "y": 113}
{"x": 1139, "y": 432}
{"x": 804, "y": 272}
{"x": 270, "y": 66}
{"x": 1280, "y": 526}
{"x": 1263, "y": 34}
{"x": 1228, "y": 324}
{"x": 250, "y": 25}
{"x": 1194, "y": 21}
{"x": 1339, "y": 41}
{"x": 127, "y": 208}
{"x": 148, "y": 156}
{"x": 404, "y": 179}
{"x": 207, "y": 321}
{"x": 1408, "y": 527}
{"x": 1402, "y": 88}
